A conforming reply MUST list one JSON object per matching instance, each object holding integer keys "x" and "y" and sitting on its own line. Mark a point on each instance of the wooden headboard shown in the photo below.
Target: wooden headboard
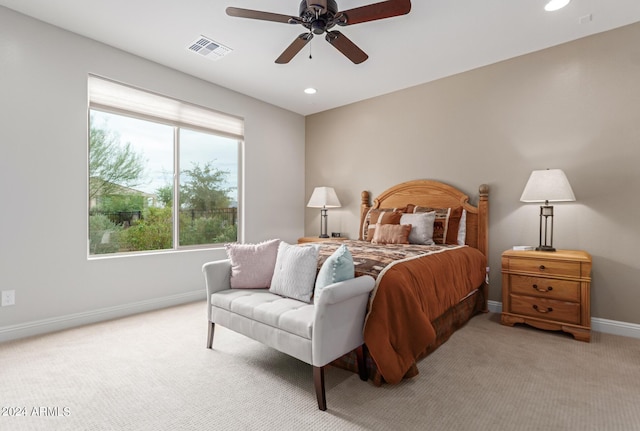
{"x": 435, "y": 194}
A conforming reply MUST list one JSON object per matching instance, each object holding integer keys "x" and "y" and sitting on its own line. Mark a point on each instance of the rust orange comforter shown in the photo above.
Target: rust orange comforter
{"x": 414, "y": 286}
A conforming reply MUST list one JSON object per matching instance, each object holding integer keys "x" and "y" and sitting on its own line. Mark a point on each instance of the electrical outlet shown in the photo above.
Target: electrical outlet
{"x": 8, "y": 297}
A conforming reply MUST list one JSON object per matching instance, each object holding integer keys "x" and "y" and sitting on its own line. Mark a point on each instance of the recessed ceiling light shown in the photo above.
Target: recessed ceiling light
{"x": 555, "y": 5}
{"x": 310, "y": 90}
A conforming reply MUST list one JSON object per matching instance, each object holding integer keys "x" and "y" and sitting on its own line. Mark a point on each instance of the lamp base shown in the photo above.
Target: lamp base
{"x": 324, "y": 235}
{"x": 545, "y": 248}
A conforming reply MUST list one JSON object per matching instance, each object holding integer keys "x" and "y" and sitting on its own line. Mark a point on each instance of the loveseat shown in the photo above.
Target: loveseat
{"x": 315, "y": 332}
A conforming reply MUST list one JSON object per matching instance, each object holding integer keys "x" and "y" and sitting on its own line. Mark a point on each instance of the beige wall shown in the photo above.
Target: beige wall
{"x": 574, "y": 107}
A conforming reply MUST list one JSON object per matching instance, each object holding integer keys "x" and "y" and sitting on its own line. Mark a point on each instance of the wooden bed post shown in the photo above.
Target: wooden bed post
{"x": 364, "y": 208}
{"x": 483, "y": 235}
{"x": 483, "y": 220}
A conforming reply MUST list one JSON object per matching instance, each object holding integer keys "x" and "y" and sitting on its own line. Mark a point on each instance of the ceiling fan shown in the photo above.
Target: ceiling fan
{"x": 320, "y": 16}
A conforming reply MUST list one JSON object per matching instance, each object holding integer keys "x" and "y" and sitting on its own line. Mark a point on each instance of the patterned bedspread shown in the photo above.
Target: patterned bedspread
{"x": 371, "y": 259}
{"x": 415, "y": 284}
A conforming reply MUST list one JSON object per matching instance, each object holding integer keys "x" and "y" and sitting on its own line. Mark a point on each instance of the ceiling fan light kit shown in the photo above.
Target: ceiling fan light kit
{"x": 320, "y": 16}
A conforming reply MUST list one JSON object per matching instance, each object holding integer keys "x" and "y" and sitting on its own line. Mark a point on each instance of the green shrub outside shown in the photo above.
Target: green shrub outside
{"x": 152, "y": 232}
{"x": 99, "y": 225}
{"x": 206, "y": 230}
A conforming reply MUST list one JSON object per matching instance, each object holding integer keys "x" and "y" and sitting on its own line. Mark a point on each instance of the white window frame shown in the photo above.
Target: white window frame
{"x": 121, "y": 99}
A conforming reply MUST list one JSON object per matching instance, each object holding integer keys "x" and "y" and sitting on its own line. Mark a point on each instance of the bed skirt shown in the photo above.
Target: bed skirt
{"x": 445, "y": 325}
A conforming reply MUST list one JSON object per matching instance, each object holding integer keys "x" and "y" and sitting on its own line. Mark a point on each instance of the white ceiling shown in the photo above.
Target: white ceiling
{"x": 437, "y": 38}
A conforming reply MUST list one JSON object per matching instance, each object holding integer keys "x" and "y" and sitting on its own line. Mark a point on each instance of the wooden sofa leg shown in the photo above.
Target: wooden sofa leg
{"x": 210, "y": 335}
{"x": 362, "y": 363}
{"x": 318, "y": 381}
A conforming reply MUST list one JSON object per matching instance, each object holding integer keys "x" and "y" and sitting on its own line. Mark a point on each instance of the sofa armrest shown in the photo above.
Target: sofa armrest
{"x": 217, "y": 276}
{"x": 339, "y": 319}
{"x": 344, "y": 290}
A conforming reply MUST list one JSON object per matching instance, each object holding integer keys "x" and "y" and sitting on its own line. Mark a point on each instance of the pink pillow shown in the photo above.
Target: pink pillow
{"x": 252, "y": 265}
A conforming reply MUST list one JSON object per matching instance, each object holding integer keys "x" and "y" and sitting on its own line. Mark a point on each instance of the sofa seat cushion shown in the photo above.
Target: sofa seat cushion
{"x": 290, "y": 315}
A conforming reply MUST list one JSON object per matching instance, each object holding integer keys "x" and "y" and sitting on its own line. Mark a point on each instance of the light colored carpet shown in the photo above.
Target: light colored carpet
{"x": 153, "y": 372}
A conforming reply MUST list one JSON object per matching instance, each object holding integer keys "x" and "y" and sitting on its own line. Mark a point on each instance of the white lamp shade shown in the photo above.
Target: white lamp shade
{"x": 324, "y": 197}
{"x": 548, "y": 185}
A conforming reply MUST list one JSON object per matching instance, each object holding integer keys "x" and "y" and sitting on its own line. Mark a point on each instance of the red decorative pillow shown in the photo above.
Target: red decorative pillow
{"x": 379, "y": 216}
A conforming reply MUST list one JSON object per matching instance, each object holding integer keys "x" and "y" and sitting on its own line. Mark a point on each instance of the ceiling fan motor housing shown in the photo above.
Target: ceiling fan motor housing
{"x": 322, "y": 6}
{"x": 317, "y": 15}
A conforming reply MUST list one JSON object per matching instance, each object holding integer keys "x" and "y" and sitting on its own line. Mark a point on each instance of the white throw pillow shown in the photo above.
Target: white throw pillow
{"x": 295, "y": 272}
{"x": 462, "y": 228}
{"x": 421, "y": 227}
{"x": 252, "y": 264}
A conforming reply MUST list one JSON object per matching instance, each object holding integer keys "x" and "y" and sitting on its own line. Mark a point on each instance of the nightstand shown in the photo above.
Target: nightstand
{"x": 548, "y": 290}
{"x": 318, "y": 239}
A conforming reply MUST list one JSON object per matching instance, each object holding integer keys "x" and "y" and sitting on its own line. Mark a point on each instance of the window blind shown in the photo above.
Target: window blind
{"x": 113, "y": 96}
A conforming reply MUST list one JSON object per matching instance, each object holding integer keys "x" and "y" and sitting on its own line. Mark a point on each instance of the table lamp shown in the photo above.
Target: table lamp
{"x": 323, "y": 197}
{"x": 549, "y": 185}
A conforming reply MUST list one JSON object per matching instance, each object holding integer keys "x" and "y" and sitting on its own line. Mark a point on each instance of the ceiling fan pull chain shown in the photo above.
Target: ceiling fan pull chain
{"x": 310, "y": 56}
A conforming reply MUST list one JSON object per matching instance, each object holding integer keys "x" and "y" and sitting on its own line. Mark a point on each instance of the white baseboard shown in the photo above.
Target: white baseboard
{"x": 597, "y": 324}
{"x": 37, "y": 327}
{"x": 59, "y": 323}
{"x": 615, "y": 327}
{"x": 495, "y": 306}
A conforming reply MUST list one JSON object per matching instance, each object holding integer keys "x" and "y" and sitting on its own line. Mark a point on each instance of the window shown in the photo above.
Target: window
{"x": 149, "y": 152}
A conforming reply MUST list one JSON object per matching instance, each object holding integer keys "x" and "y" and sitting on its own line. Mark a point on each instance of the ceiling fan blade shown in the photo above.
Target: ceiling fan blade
{"x": 294, "y": 48}
{"x": 345, "y": 46}
{"x": 372, "y": 12}
{"x": 264, "y": 16}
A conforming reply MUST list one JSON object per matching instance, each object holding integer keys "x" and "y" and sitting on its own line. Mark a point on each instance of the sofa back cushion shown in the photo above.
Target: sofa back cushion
{"x": 252, "y": 264}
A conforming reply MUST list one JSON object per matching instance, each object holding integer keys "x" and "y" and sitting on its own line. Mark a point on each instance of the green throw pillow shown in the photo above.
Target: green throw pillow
{"x": 338, "y": 267}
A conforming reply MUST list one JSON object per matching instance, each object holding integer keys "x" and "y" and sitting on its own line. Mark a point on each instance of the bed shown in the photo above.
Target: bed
{"x": 423, "y": 293}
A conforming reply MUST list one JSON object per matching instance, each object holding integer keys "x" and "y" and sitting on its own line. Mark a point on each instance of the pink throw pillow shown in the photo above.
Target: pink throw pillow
{"x": 252, "y": 265}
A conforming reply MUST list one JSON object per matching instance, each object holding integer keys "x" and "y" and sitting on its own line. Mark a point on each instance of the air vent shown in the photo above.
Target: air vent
{"x": 208, "y": 48}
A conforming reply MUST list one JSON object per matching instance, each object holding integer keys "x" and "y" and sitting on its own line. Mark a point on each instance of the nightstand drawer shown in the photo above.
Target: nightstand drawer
{"x": 545, "y": 267}
{"x": 559, "y": 311}
{"x": 562, "y": 290}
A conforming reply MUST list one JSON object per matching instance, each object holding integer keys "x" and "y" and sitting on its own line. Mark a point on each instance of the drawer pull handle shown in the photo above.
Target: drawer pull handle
{"x": 542, "y": 310}
{"x": 548, "y": 289}
{"x": 542, "y": 267}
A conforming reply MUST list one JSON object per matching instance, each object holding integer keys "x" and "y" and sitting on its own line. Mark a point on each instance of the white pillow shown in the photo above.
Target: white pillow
{"x": 421, "y": 227}
{"x": 252, "y": 264}
{"x": 462, "y": 228}
{"x": 295, "y": 273}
